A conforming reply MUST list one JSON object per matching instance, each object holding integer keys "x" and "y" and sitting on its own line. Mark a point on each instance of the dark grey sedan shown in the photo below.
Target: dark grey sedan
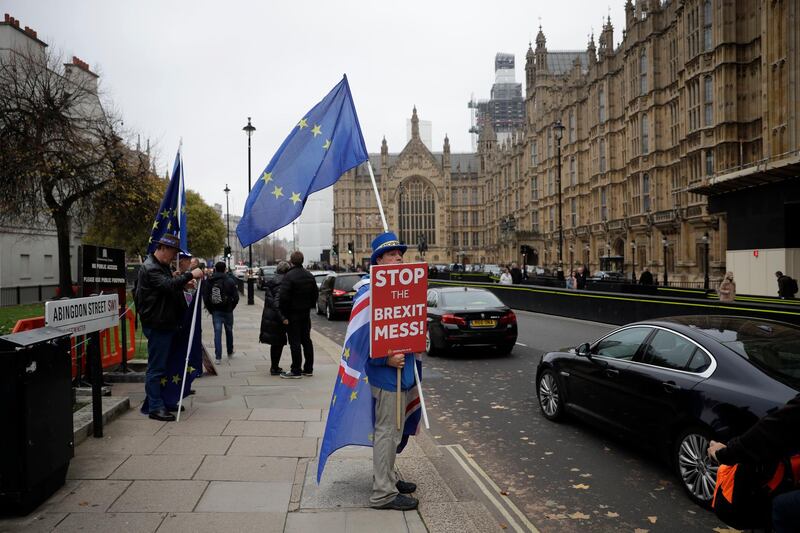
{"x": 675, "y": 384}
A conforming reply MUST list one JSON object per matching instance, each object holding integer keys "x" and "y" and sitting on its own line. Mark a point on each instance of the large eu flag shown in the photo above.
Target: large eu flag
{"x": 324, "y": 144}
{"x": 171, "y": 216}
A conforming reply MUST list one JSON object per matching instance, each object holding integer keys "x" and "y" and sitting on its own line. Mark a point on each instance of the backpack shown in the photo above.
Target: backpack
{"x": 743, "y": 493}
{"x": 792, "y": 286}
{"x": 218, "y": 296}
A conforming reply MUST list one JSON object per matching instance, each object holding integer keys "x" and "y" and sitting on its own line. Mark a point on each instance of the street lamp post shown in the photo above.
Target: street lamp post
{"x": 633, "y": 261}
{"x": 666, "y": 277}
{"x": 587, "y": 249}
{"x": 228, "y": 234}
{"x": 705, "y": 262}
{"x": 558, "y": 128}
{"x": 249, "y": 129}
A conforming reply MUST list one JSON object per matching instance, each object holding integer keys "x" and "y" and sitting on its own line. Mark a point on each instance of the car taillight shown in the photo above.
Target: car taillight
{"x": 453, "y": 319}
{"x": 508, "y": 318}
{"x": 339, "y": 292}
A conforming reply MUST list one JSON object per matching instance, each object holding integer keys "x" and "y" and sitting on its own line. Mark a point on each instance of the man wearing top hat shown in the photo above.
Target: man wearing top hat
{"x": 388, "y": 491}
{"x": 157, "y": 297}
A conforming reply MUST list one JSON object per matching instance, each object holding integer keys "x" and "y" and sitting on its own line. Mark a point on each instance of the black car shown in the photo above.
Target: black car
{"x": 675, "y": 384}
{"x": 265, "y": 274}
{"x": 461, "y": 316}
{"x": 336, "y": 294}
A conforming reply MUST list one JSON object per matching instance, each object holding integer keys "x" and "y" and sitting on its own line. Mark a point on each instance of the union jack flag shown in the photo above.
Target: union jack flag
{"x": 351, "y": 418}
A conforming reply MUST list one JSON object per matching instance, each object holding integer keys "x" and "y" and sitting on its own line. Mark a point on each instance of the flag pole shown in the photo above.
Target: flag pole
{"x": 385, "y": 229}
{"x": 189, "y": 346}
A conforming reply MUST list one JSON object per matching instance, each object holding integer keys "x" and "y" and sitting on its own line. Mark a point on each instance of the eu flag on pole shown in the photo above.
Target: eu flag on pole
{"x": 171, "y": 216}
{"x": 324, "y": 144}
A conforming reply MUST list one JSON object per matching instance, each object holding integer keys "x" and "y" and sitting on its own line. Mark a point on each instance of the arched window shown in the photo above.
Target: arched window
{"x": 643, "y": 72}
{"x": 417, "y": 209}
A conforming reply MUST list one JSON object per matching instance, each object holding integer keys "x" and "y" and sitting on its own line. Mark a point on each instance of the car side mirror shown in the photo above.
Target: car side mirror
{"x": 583, "y": 350}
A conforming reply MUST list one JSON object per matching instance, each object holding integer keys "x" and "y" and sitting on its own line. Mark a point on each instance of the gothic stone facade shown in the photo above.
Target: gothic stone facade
{"x": 696, "y": 89}
{"x": 435, "y": 195}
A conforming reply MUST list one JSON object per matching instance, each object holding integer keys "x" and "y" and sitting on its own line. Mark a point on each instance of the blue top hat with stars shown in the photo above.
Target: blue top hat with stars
{"x": 383, "y": 243}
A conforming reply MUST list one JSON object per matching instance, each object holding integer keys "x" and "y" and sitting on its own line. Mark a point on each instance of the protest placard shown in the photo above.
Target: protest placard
{"x": 399, "y": 309}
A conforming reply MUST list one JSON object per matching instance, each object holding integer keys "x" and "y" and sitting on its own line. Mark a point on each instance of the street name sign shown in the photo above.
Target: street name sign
{"x": 80, "y": 316}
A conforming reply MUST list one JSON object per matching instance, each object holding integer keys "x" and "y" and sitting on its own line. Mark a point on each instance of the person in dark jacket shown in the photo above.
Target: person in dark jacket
{"x": 646, "y": 278}
{"x": 771, "y": 439}
{"x": 273, "y": 323}
{"x": 580, "y": 278}
{"x": 786, "y": 286}
{"x": 158, "y": 294}
{"x": 298, "y": 295}
{"x": 220, "y": 298}
{"x": 516, "y": 274}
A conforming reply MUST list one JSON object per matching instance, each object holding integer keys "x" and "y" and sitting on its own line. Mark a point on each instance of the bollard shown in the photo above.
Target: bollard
{"x": 250, "y": 291}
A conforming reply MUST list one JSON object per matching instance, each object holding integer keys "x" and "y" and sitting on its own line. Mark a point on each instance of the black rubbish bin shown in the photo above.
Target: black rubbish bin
{"x": 36, "y": 395}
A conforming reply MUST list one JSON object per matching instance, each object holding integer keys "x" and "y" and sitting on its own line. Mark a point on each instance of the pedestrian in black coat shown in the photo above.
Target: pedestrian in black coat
{"x": 299, "y": 294}
{"x": 273, "y": 321}
{"x": 646, "y": 277}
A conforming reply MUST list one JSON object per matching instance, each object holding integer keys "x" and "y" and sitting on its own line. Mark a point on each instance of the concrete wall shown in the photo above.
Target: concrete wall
{"x": 756, "y": 275}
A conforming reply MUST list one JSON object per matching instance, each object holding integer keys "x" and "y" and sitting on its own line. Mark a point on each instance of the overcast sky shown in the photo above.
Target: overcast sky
{"x": 197, "y": 69}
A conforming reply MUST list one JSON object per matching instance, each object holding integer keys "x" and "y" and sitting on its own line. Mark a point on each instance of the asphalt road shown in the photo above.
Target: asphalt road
{"x": 564, "y": 477}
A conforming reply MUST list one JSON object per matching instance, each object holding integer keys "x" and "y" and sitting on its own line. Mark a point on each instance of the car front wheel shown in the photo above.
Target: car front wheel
{"x": 549, "y": 395}
{"x": 697, "y": 472}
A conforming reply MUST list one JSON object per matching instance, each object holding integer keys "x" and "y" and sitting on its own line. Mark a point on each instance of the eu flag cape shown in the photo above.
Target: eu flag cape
{"x": 325, "y": 143}
{"x": 351, "y": 419}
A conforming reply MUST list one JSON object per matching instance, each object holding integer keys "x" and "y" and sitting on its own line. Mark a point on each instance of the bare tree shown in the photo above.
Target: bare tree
{"x": 59, "y": 145}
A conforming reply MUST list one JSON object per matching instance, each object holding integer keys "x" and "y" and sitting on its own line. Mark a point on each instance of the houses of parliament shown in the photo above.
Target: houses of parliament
{"x": 696, "y": 102}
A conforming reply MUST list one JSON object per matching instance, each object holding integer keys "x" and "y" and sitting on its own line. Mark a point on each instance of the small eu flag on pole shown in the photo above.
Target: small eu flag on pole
{"x": 325, "y": 143}
{"x": 171, "y": 216}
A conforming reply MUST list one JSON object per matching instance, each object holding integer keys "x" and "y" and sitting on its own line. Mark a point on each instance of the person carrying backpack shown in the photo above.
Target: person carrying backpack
{"x": 220, "y": 298}
{"x": 787, "y": 286}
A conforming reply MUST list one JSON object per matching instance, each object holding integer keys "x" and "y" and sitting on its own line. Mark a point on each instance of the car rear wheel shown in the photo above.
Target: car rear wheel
{"x": 549, "y": 394}
{"x": 429, "y": 346}
{"x": 329, "y": 313}
{"x": 319, "y": 311}
{"x": 505, "y": 348}
{"x": 697, "y": 472}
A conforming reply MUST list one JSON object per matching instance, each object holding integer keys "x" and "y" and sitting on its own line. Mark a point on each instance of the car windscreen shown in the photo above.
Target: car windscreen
{"x": 345, "y": 283}
{"x": 268, "y": 270}
{"x": 774, "y": 348}
{"x": 470, "y": 299}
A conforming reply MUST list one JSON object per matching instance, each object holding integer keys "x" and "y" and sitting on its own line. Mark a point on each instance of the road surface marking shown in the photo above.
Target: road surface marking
{"x": 473, "y": 470}
{"x": 520, "y": 344}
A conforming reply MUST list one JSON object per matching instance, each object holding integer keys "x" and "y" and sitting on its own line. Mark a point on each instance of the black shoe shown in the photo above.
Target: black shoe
{"x": 275, "y": 371}
{"x": 162, "y": 414}
{"x": 406, "y": 487}
{"x": 191, "y": 391}
{"x": 308, "y": 373}
{"x": 291, "y": 375}
{"x": 400, "y": 503}
{"x": 174, "y": 408}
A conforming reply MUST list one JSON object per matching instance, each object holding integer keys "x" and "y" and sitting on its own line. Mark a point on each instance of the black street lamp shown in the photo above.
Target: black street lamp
{"x": 228, "y": 234}
{"x": 633, "y": 261}
{"x": 249, "y": 129}
{"x": 705, "y": 261}
{"x": 558, "y": 129}
{"x": 665, "y": 244}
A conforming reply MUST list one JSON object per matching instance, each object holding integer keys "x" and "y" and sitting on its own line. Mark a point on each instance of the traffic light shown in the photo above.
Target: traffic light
{"x": 227, "y": 251}
{"x": 335, "y": 249}
{"x": 350, "y": 247}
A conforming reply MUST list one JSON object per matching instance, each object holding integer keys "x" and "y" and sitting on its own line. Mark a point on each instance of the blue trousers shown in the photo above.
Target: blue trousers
{"x": 158, "y": 346}
{"x": 786, "y": 512}
{"x": 222, "y": 318}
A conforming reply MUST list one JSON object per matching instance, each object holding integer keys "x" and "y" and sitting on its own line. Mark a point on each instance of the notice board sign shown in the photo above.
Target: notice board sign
{"x": 80, "y": 316}
{"x": 399, "y": 310}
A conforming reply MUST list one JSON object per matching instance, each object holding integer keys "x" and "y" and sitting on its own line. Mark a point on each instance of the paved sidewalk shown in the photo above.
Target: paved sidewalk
{"x": 242, "y": 458}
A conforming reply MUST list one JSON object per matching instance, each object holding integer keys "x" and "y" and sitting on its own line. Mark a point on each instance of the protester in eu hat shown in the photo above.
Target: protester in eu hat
{"x": 157, "y": 297}
{"x": 220, "y": 297}
{"x": 298, "y": 295}
{"x": 273, "y": 322}
{"x": 388, "y": 490}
